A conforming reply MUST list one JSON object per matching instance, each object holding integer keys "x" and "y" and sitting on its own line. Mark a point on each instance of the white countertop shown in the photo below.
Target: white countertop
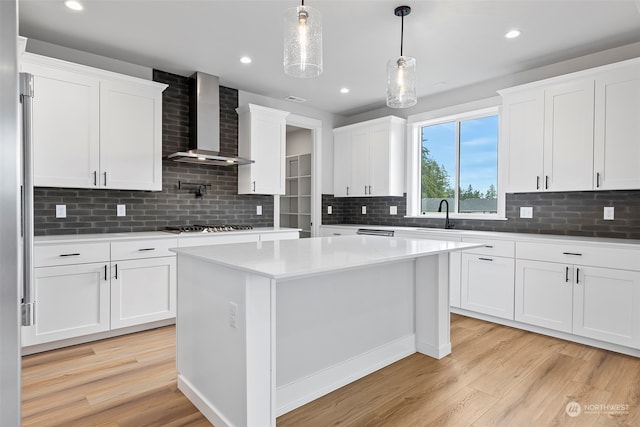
{"x": 287, "y": 259}
{"x": 96, "y": 237}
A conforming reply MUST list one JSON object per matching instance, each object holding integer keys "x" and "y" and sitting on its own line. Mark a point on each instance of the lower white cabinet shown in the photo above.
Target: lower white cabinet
{"x": 143, "y": 291}
{"x": 606, "y": 305}
{"x": 593, "y": 302}
{"x": 71, "y": 300}
{"x": 487, "y": 285}
{"x": 544, "y": 294}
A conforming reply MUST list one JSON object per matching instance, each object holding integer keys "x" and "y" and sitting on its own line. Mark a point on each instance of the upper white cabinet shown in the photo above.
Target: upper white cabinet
{"x": 93, "y": 128}
{"x": 262, "y": 135}
{"x": 574, "y": 133}
{"x": 617, "y": 129}
{"x": 369, "y": 158}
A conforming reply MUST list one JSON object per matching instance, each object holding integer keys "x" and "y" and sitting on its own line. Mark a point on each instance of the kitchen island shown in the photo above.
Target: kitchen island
{"x": 263, "y": 328}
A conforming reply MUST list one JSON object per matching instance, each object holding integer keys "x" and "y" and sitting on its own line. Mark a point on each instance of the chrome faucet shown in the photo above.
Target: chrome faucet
{"x": 447, "y": 224}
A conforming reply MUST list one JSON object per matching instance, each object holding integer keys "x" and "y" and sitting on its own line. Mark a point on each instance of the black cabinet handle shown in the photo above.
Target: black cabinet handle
{"x": 597, "y": 179}
{"x": 146, "y": 249}
{"x": 254, "y": 186}
{"x": 546, "y": 182}
{"x": 105, "y": 179}
{"x": 95, "y": 178}
{"x": 537, "y": 182}
{"x": 116, "y": 271}
{"x": 488, "y": 246}
{"x": 566, "y": 275}
{"x": 347, "y": 191}
{"x": 365, "y": 189}
{"x": 76, "y": 254}
{"x": 485, "y": 259}
{"x": 105, "y": 272}
{"x": 577, "y": 275}
{"x": 369, "y": 190}
{"x": 571, "y": 253}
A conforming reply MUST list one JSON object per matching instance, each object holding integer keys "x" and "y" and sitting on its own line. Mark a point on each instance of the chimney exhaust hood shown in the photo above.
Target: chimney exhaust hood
{"x": 204, "y": 125}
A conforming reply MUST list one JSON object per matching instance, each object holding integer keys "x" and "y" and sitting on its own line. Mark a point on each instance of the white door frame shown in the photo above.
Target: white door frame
{"x": 315, "y": 126}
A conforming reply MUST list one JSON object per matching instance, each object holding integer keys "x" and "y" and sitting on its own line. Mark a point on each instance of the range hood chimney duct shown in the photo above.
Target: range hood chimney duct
{"x": 204, "y": 125}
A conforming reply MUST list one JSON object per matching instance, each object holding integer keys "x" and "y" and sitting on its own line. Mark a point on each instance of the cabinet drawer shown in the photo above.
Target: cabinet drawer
{"x": 619, "y": 258}
{"x": 136, "y": 249}
{"x": 218, "y": 239}
{"x": 501, "y": 248}
{"x": 70, "y": 253}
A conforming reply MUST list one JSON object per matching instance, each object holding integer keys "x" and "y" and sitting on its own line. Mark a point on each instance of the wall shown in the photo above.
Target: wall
{"x": 573, "y": 214}
{"x": 94, "y": 211}
{"x": 299, "y": 141}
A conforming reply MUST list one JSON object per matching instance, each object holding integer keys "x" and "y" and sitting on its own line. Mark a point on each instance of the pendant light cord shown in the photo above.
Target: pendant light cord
{"x": 401, "y": 32}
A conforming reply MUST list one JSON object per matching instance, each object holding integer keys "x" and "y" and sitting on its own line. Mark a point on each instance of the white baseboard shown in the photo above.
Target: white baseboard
{"x": 295, "y": 394}
{"x": 433, "y": 351}
{"x": 202, "y": 404}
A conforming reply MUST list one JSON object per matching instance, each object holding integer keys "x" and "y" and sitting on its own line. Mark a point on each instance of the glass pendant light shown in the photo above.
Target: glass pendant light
{"x": 302, "y": 41}
{"x": 401, "y": 73}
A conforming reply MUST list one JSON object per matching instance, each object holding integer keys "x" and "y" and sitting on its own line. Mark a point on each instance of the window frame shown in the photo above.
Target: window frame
{"x": 413, "y": 170}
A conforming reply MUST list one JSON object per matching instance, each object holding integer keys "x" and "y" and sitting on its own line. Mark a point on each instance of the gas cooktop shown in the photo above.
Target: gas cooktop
{"x": 179, "y": 229}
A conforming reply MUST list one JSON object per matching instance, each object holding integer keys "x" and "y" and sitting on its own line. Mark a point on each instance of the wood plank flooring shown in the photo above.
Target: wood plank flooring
{"x": 496, "y": 376}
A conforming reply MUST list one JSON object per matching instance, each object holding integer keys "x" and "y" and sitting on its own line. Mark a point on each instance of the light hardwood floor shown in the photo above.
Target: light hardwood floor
{"x": 496, "y": 376}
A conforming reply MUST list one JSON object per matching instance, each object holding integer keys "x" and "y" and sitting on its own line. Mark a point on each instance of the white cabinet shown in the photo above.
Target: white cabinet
{"x": 574, "y": 133}
{"x": 93, "y": 128}
{"x": 143, "y": 282}
{"x": 262, "y": 138}
{"x": 369, "y": 158}
{"x": 549, "y": 137}
{"x": 617, "y": 129}
{"x": 584, "y": 297}
{"x": 487, "y": 275}
{"x": 71, "y": 292}
{"x": 544, "y": 294}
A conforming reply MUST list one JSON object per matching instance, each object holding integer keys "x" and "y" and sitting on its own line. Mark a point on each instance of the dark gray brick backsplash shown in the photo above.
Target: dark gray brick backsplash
{"x": 94, "y": 211}
{"x": 573, "y": 214}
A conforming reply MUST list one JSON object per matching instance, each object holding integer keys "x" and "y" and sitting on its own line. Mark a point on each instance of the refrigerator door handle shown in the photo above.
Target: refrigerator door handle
{"x": 28, "y": 294}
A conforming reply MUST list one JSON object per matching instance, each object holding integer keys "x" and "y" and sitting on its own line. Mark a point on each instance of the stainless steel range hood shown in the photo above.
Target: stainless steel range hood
{"x": 204, "y": 126}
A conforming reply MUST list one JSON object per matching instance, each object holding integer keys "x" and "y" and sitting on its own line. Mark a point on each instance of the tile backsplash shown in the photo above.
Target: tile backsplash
{"x": 574, "y": 214}
{"x": 94, "y": 211}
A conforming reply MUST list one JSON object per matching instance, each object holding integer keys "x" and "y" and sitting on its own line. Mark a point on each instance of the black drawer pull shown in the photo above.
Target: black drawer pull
{"x": 488, "y": 246}
{"x": 485, "y": 259}
{"x": 116, "y": 271}
{"x": 146, "y": 249}
{"x": 70, "y": 254}
{"x": 577, "y": 275}
{"x": 105, "y": 272}
{"x": 571, "y": 253}
{"x": 566, "y": 275}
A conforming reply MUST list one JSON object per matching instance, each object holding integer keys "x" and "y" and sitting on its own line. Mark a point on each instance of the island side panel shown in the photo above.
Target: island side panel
{"x": 335, "y": 328}
{"x": 432, "y": 306}
{"x": 213, "y": 359}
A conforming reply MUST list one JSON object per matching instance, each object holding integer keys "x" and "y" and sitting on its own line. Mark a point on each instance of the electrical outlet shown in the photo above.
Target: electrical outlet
{"x": 393, "y": 210}
{"x": 233, "y": 314}
{"x": 526, "y": 212}
{"x": 329, "y": 210}
{"x": 61, "y": 211}
{"x": 122, "y": 210}
{"x": 608, "y": 213}
{"x": 258, "y": 210}
{"x": 364, "y": 210}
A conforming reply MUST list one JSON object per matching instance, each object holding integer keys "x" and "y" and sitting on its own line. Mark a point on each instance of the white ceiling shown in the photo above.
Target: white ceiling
{"x": 455, "y": 42}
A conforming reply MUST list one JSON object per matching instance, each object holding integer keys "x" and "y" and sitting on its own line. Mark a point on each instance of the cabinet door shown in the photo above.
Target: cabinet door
{"x": 130, "y": 137}
{"x": 522, "y": 127}
{"x": 142, "y": 291}
{"x": 360, "y": 162}
{"x": 379, "y": 161}
{"x": 568, "y": 136}
{"x": 487, "y": 285}
{"x": 342, "y": 170}
{"x": 544, "y": 294}
{"x": 65, "y": 128}
{"x": 617, "y": 129}
{"x": 71, "y": 301}
{"x": 607, "y": 305}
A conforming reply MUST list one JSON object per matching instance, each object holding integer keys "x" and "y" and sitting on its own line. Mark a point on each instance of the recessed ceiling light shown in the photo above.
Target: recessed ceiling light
{"x": 512, "y": 34}
{"x": 73, "y": 4}
{"x": 344, "y": 90}
{"x": 245, "y": 60}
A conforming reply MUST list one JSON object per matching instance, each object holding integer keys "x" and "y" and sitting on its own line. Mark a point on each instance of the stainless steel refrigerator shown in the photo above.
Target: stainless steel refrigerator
{"x": 10, "y": 218}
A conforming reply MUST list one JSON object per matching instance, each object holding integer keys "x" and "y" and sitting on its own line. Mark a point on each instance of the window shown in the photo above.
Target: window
{"x": 459, "y": 163}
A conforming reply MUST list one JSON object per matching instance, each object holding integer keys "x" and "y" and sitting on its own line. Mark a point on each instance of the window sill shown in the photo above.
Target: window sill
{"x": 460, "y": 217}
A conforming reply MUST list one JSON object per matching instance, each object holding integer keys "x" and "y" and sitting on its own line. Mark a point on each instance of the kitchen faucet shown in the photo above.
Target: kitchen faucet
{"x": 447, "y": 224}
